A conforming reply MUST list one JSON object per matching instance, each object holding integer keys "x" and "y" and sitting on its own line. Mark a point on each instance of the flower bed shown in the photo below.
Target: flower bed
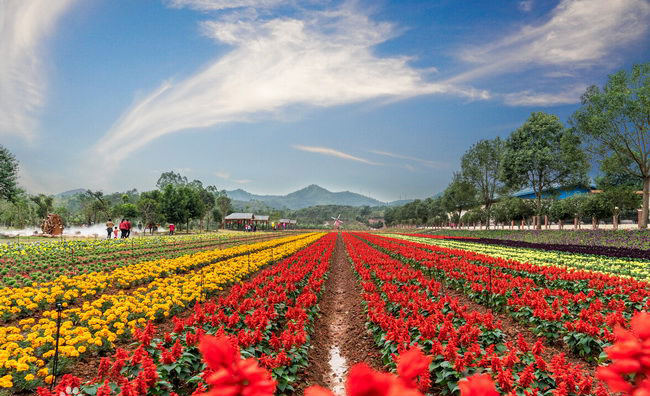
{"x": 94, "y": 327}
{"x": 405, "y": 308}
{"x": 580, "y": 308}
{"x": 269, "y": 316}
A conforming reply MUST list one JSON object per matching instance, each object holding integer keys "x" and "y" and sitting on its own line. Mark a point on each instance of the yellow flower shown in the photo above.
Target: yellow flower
{"x": 29, "y": 377}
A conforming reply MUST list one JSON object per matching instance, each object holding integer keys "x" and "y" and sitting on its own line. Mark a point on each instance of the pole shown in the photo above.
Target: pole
{"x": 59, "y": 308}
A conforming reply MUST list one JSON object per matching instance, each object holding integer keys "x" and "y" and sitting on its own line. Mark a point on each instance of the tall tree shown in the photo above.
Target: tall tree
{"x": 44, "y": 204}
{"x": 542, "y": 154}
{"x": 149, "y": 207}
{"x": 460, "y": 195}
{"x": 8, "y": 175}
{"x": 480, "y": 166}
{"x": 615, "y": 123}
{"x": 172, "y": 178}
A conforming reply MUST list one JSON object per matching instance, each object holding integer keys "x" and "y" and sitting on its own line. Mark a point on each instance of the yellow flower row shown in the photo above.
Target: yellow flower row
{"x": 27, "y": 300}
{"x": 637, "y": 269}
{"x": 98, "y": 324}
{"x": 82, "y": 246}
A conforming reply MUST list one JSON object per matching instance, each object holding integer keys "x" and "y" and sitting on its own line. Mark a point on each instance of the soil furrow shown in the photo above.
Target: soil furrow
{"x": 340, "y": 339}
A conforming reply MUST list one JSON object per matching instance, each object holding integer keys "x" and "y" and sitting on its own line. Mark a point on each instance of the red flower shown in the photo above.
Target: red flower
{"x": 233, "y": 376}
{"x": 477, "y": 385}
{"x": 413, "y": 369}
{"x": 318, "y": 391}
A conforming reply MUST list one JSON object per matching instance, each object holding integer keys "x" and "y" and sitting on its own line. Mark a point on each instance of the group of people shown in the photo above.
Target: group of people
{"x": 124, "y": 229}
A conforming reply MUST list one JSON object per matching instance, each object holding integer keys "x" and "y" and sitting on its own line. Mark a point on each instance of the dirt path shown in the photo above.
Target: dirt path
{"x": 340, "y": 339}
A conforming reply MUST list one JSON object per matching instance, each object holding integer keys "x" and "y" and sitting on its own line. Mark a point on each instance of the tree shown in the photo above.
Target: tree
{"x": 614, "y": 174}
{"x": 615, "y": 123}
{"x": 460, "y": 195}
{"x": 44, "y": 204}
{"x": 542, "y": 154}
{"x": 480, "y": 166}
{"x": 172, "y": 178}
{"x": 149, "y": 207}
{"x": 126, "y": 210}
{"x": 9, "y": 189}
{"x": 224, "y": 204}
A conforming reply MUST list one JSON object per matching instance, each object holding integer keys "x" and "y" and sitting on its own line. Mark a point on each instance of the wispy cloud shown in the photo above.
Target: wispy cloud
{"x": 429, "y": 163}
{"x": 225, "y": 175}
{"x": 24, "y": 26}
{"x": 525, "y": 5}
{"x": 579, "y": 33}
{"x": 321, "y": 58}
{"x": 333, "y": 153}
{"x": 530, "y": 98}
{"x": 210, "y": 5}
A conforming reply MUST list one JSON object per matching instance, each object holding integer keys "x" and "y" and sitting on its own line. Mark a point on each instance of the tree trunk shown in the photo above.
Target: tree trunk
{"x": 646, "y": 199}
{"x": 575, "y": 223}
{"x": 561, "y": 224}
{"x": 615, "y": 222}
{"x": 594, "y": 223}
{"x": 538, "y": 224}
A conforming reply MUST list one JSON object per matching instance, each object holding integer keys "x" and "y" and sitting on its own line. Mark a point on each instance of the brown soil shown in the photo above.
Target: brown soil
{"x": 342, "y": 324}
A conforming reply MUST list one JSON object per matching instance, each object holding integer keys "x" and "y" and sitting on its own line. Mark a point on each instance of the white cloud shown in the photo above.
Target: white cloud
{"x": 579, "y": 33}
{"x": 207, "y": 5}
{"x": 225, "y": 175}
{"x": 222, "y": 174}
{"x": 333, "y": 153}
{"x": 529, "y": 98}
{"x": 320, "y": 59}
{"x": 431, "y": 164}
{"x": 24, "y": 26}
{"x": 525, "y": 5}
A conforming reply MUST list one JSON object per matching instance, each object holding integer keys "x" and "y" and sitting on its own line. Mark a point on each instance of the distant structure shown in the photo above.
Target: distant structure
{"x": 238, "y": 221}
{"x": 558, "y": 192}
{"x": 287, "y": 224}
{"x": 52, "y": 225}
{"x": 337, "y": 222}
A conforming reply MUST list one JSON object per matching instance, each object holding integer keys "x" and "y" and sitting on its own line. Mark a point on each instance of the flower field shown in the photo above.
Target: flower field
{"x": 634, "y": 268}
{"x": 96, "y": 324}
{"x": 24, "y": 264}
{"x": 434, "y": 311}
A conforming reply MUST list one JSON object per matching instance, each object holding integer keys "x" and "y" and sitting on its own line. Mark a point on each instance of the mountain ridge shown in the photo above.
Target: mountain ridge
{"x": 312, "y": 195}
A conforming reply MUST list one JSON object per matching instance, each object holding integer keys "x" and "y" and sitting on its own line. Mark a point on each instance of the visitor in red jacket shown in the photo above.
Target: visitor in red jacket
{"x": 172, "y": 228}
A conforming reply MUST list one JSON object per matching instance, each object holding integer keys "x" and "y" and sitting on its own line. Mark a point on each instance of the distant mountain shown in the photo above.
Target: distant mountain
{"x": 399, "y": 202}
{"x": 309, "y": 196}
{"x": 70, "y": 193}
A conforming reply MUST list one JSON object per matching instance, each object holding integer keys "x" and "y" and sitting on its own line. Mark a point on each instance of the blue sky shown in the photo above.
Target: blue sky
{"x": 377, "y": 97}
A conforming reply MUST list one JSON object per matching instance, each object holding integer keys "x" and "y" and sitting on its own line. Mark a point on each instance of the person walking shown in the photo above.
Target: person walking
{"x": 172, "y": 228}
{"x": 123, "y": 229}
{"x": 127, "y": 224}
{"x": 109, "y": 228}
{"x": 115, "y": 232}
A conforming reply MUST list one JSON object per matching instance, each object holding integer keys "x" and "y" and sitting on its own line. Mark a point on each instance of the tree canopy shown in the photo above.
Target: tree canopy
{"x": 615, "y": 122}
{"x": 542, "y": 154}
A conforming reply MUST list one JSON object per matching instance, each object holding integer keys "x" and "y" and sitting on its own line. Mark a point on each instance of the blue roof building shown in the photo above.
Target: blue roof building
{"x": 558, "y": 193}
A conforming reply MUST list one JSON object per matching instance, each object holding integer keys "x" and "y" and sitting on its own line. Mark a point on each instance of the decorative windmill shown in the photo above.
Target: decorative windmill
{"x": 337, "y": 222}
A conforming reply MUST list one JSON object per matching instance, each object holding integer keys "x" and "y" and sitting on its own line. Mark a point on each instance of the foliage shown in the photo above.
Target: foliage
{"x": 542, "y": 154}
{"x": 171, "y": 177}
{"x": 44, "y": 204}
{"x": 9, "y": 189}
{"x": 480, "y": 166}
{"x": 615, "y": 123}
{"x": 460, "y": 195}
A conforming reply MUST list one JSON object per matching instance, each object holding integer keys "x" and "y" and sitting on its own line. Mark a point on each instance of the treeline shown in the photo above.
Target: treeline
{"x": 611, "y": 128}
{"x": 176, "y": 200}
